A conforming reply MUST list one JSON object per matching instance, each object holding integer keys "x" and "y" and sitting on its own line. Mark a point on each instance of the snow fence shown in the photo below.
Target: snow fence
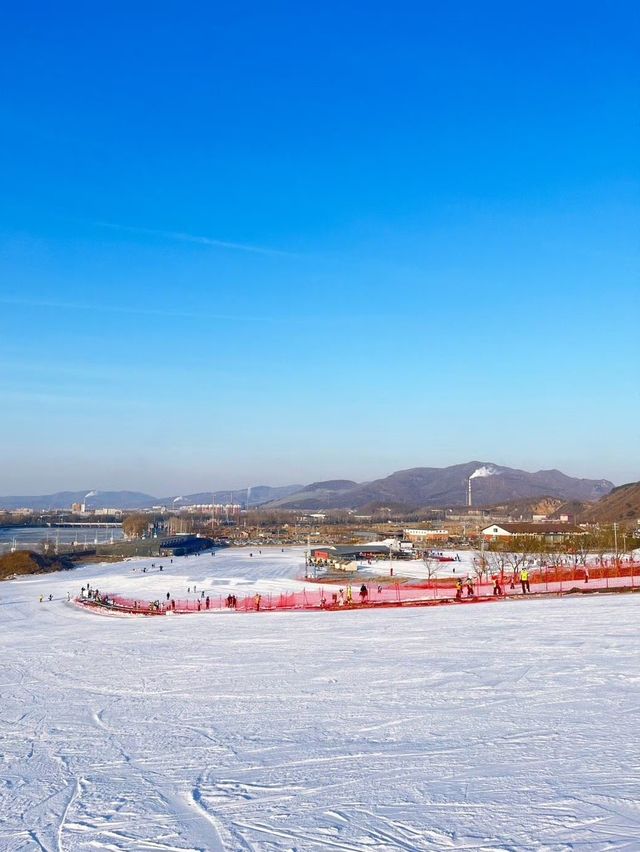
{"x": 346, "y": 596}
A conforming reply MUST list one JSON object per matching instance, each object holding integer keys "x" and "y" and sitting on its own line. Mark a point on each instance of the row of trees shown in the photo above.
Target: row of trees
{"x": 511, "y": 555}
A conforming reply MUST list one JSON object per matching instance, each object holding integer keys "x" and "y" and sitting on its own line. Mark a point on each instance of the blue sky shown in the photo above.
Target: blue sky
{"x": 272, "y": 243}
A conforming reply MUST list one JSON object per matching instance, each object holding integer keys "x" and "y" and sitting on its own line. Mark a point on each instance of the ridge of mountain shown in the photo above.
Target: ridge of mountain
{"x": 413, "y": 488}
{"x": 429, "y": 487}
{"x": 258, "y": 495}
{"x": 64, "y": 499}
{"x": 621, "y": 504}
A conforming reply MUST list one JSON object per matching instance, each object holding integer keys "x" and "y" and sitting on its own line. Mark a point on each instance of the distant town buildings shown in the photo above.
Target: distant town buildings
{"x": 418, "y": 534}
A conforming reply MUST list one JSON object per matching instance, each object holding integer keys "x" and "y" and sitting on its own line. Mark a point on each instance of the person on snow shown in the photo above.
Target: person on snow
{"x": 349, "y": 594}
{"x": 364, "y": 593}
{"x": 497, "y": 589}
{"x": 469, "y": 586}
{"x": 258, "y": 599}
{"x": 207, "y": 602}
{"x": 458, "y": 589}
{"x": 524, "y": 581}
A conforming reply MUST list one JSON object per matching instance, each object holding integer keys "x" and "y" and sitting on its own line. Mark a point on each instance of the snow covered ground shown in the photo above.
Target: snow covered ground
{"x": 503, "y": 727}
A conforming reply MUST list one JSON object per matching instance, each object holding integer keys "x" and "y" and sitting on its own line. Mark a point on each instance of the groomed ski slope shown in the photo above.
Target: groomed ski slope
{"x": 507, "y": 727}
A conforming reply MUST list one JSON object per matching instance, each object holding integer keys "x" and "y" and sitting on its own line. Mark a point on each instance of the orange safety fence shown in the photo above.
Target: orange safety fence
{"x": 333, "y": 597}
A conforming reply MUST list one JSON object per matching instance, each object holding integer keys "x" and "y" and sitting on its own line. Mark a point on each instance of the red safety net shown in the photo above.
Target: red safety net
{"x": 553, "y": 579}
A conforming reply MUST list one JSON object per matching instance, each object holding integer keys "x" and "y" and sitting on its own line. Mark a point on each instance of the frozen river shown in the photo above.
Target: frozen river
{"x": 504, "y": 727}
{"x": 35, "y": 537}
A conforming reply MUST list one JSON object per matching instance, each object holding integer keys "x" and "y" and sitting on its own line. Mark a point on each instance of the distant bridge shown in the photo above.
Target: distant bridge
{"x": 86, "y": 524}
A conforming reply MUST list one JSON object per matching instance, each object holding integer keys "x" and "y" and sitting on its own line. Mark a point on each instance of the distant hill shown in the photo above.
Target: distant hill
{"x": 621, "y": 504}
{"x": 317, "y": 494}
{"x": 97, "y": 500}
{"x": 417, "y": 487}
{"x": 258, "y": 494}
{"x": 429, "y": 486}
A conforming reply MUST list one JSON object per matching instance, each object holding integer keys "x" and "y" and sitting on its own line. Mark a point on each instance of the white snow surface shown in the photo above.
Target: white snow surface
{"x": 510, "y": 726}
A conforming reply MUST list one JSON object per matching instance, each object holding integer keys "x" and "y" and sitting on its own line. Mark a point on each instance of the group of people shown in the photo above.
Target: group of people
{"x": 498, "y": 590}
{"x": 460, "y": 585}
{"x": 345, "y": 596}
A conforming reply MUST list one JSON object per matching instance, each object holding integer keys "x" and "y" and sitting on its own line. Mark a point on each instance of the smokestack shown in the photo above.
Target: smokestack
{"x": 480, "y": 472}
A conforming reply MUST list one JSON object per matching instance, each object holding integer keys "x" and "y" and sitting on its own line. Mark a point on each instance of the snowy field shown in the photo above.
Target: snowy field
{"x": 504, "y": 727}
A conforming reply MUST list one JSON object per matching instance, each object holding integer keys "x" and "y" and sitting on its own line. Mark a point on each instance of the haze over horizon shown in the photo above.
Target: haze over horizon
{"x": 245, "y": 246}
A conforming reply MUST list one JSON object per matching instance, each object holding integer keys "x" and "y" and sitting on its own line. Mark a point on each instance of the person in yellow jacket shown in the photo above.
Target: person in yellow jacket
{"x": 458, "y": 589}
{"x": 524, "y": 581}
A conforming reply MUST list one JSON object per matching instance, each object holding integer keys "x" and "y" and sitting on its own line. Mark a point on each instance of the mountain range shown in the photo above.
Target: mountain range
{"x": 490, "y": 484}
{"x": 420, "y": 487}
{"x": 257, "y": 495}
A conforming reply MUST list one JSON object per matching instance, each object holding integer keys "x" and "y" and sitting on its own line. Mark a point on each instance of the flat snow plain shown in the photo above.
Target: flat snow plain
{"x": 508, "y": 726}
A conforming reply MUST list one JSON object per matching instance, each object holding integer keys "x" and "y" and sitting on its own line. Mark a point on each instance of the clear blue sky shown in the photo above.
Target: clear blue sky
{"x": 266, "y": 243}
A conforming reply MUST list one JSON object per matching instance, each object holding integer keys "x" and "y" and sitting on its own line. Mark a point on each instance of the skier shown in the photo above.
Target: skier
{"x": 364, "y": 593}
{"x": 258, "y": 599}
{"x": 168, "y": 595}
{"x": 458, "y": 589}
{"x": 497, "y": 590}
{"x": 50, "y": 597}
{"x": 524, "y": 581}
{"x": 41, "y": 598}
{"x": 349, "y": 594}
{"x": 207, "y": 602}
{"x": 469, "y": 585}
